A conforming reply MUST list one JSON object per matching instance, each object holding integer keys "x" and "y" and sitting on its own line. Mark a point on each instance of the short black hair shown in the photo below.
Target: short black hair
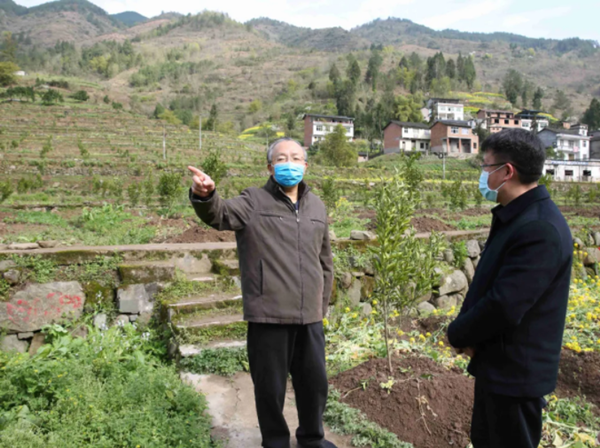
{"x": 522, "y": 149}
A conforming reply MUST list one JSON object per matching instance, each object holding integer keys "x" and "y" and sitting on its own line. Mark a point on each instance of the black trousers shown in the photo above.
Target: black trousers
{"x": 500, "y": 421}
{"x": 274, "y": 351}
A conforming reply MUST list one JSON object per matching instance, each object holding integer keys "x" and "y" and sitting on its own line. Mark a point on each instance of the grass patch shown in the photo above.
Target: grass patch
{"x": 103, "y": 392}
{"x": 221, "y": 361}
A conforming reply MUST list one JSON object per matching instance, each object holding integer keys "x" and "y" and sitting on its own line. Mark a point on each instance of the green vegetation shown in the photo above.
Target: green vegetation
{"x": 225, "y": 361}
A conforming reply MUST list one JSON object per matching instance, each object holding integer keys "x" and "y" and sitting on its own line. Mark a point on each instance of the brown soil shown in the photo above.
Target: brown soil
{"x": 202, "y": 235}
{"x": 428, "y": 405}
{"x": 593, "y": 212}
{"x": 579, "y": 375}
{"x": 427, "y": 224}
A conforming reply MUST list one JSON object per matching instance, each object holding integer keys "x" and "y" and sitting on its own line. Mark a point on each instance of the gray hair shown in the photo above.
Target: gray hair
{"x": 281, "y": 140}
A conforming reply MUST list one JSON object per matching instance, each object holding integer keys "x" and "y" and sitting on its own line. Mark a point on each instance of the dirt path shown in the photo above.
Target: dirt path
{"x": 231, "y": 405}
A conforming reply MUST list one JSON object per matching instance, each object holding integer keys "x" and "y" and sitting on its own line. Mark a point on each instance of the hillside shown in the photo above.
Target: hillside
{"x": 129, "y": 18}
{"x": 264, "y": 70}
{"x": 63, "y": 20}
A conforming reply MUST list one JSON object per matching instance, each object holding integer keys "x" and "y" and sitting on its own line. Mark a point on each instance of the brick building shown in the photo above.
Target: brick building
{"x": 453, "y": 138}
{"x": 401, "y": 136}
{"x": 316, "y": 127}
{"x": 497, "y": 120}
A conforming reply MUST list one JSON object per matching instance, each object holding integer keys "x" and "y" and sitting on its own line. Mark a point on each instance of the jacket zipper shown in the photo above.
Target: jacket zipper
{"x": 300, "y": 262}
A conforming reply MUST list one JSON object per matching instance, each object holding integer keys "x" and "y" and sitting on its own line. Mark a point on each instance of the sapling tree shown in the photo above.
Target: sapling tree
{"x": 404, "y": 264}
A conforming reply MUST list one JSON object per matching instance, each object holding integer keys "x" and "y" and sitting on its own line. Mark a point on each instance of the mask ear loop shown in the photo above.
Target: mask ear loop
{"x": 504, "y": 183}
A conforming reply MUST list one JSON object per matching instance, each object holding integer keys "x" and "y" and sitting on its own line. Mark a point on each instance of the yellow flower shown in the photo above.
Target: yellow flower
{"x": 421, "y": 337}
{"x": 347, "y": 310}
{"x": 375, "y": 302}
{"x": 428, "y": 334}
{"x": 374, "y": 312}
{"x": 325, "y": 323}
{"x": 412, "y": 340}
{"x": 441, "y": 344}
{"x": 355, "y": 315}
{"x": 401, "y": 333}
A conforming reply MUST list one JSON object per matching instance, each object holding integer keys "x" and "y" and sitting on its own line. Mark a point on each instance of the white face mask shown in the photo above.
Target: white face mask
{"x": 484, "y": 188}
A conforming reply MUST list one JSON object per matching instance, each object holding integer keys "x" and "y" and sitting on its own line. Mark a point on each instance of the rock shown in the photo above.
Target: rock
{"x": 578, "y": 242}
{"x": 469, "y": 270}
{"x": 597, "y": 238}
{"x": 476, "y": 262}
{"x": 12, "y": 276}
{"x": 38, "y": 340}
{"x": 100, "y": 321}
{"x": 48, "y": 244}
{"x": 56, "y": 185}
{"x": 426, "y": 298}
{"x": 449, "y": 256}
{"x": 332, "y": 236}
{"x": 369, "y": 270}
{"x": 362, "y": 235}
{"x": 481, "y": 245}
{"x": 445, "y": 302}
{"x": 3, "y": 246}
{"x": 358, "y": 274}
{"x": 354, "y": 292}
{"x": 133, "y": 318}
{"x": 152, "y": 289}
{"x": 455, "y": 282}
{"x": 143, "y": 319}
{"x": 425, "y": 308}
{"x": 5, "y": 265}
{"x": 593, "y": 256}
{"x": 42, "y": 304}
{"x": 438, "y": 279}
{"x": 23, "y": 246}
{"x": 81, "y": 331}
{"x": 226, "y": 267}
{"x": 11, "y": 343}
{"x": 193, "y": 265}
{"x": 473, "y": 249}
{"x": 132, "y": 274}
{"x": 27, "y": 335}
{"x": 368, "y": 285}
{"x": 133, "y": 299}
{"x": 121, "y": 320}
{"x": 346, "y": 280}
{"x": 365, "y": 309}
{"x": 98, "y": 296}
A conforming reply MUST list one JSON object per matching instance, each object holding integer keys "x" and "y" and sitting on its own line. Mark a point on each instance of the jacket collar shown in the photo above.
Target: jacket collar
{"x": 273, "y": 187}
{"x": 518, "y": 205}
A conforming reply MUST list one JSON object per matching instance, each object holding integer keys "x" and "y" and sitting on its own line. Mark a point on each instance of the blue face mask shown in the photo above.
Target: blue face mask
{"x": 486, "y": 191}
{"x": 288, "y": 174}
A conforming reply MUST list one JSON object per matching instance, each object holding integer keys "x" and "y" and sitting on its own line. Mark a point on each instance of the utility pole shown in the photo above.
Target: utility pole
{"x": 164, "y": 143}
{"x": 444, "y": 163}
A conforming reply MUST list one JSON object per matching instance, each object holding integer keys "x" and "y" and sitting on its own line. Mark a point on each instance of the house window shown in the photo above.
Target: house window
{"x": 517, "y": 122}
{"x": 550, "y": 172}
{"x": 569, "y": 173}
{"x": 587, "y": 173}
{"x": 405, "y": 130}
{"x": 422, "y": 145}
{"x": 474, "y": 145}
{"x": 496, "y": 120}
{"x": 464, "y": 131}
{"x": 319, "y": 128}
{"x": 454, "y": 130}
{"x": 506, "y": 121}
{"x": 584, "y": 144}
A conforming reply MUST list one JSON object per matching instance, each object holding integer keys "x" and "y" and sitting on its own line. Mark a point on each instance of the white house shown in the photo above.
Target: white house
{"x": 570, "y": 144}
{"x": 316, "y": 127}
{"x": 529, "y": 117}
{"x": 574, "y": 171}
{"x": 445, "y": 109}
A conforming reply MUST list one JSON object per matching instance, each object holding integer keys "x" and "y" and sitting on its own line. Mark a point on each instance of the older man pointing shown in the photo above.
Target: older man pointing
{"x": 287, "y": 275}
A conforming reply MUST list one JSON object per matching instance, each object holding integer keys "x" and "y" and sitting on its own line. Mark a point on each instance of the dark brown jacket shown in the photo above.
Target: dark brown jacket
{"x": 285, "y": 256}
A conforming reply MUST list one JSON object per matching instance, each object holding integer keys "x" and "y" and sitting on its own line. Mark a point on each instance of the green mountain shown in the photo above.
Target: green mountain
{"x": 11, "y": 8}
{"x": 129, "y": 18}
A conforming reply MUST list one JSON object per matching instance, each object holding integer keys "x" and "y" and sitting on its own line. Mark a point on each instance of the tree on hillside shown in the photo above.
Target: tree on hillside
{"x": 345, "y": 97}
{"x": 404, "y": 63}
{"x": 373, "y": 68}
{"x": 537, "y": 99}
{"x": 408, "y": 108}
{"x": 213, "y": 118}
{"x": 334, "y": 74}
{"x": 353, "y": 72}
{"x": 527, "y": 93}
{"x": 52, "y": 97}
{"x": 470, "y": 74}
{"x": 337, "y": 150}
{"x": 451, "y": 69}
{"x": 436, "y": 68}
{"x": 81, "y": 95}
{"x": 460, "y": 66}
{"x": 512, "y": 85}
{"x": 561, "y": 101}
{"x": 7, "y": 73}
{"x": 158, "y": 110}
{"x": 591, "y": 117}
{"x": 8, "y": 49}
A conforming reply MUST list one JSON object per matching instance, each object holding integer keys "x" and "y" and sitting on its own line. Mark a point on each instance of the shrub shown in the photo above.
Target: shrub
{"x": 81, "y": 95}
{"x": 52, "y": 96}
{"x": 214, "y": 166}
{"x": 6, "y": 190}
{"x": 169, "y": 189}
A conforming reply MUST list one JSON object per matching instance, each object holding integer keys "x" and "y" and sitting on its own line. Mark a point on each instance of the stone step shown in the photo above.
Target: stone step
{"x": 186, "y": 350}
{"x": 208, "y": 321}
{"x": 195, "y": 303}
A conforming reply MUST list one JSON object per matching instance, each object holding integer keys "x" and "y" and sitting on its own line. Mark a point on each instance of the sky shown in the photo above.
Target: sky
{"x": 534, "y": 18}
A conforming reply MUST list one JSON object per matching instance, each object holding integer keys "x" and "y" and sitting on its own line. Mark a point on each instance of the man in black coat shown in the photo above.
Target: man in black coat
{"x": 512, "y": 321}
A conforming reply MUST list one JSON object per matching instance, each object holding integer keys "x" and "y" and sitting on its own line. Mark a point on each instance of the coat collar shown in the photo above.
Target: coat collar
{"x": 518, "y": 205}
{"x": 273, "y": 187}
